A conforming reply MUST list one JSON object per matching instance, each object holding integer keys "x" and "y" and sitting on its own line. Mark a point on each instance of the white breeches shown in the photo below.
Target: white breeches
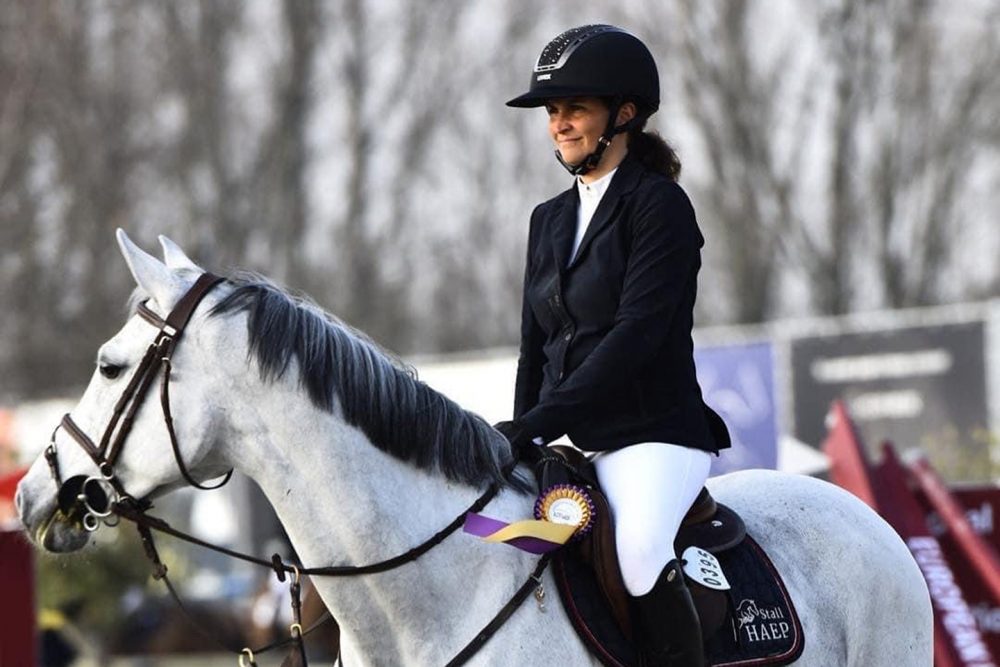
{"x": 650, "y": 487}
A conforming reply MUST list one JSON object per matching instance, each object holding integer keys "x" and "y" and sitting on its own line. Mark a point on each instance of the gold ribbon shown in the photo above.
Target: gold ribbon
{"x": 544, "y": 530}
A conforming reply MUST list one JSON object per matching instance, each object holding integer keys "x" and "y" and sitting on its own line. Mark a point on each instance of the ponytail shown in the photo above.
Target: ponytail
{"x": 647, "y": 146}
{"x": 653, "y": 152}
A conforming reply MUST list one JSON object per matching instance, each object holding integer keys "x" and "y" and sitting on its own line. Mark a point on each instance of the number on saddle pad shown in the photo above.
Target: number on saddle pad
{"x": 704, "y": 568}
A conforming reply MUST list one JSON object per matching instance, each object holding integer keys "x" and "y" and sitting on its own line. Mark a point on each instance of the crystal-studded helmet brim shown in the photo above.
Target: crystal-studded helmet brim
{"x": 594, "y": 60}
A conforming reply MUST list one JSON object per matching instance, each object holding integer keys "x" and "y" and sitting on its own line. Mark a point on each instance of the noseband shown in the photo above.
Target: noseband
{"x": 92, "y": 499}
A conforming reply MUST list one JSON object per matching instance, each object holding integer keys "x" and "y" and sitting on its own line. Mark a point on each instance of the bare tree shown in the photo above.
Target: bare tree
{"x": 731, "y": 101}
{"x": 19, "y": 76}
{"x": 61, "y": 176}
{"x": 362, "y": 152}
{"x": 283, "y": 207}
{"x": 884, "y": 115}
{"x": 422, "y": 123}
{"x": 931, "y": 104}
{"x": 198, "y": 157}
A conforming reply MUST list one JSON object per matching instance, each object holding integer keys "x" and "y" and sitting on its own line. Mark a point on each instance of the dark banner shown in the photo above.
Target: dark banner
{"x": 916, "y": 387}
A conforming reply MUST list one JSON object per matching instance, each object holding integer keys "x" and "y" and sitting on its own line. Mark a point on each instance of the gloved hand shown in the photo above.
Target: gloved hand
{"x": 513, "y": 432}
{"x": 520, "y": 443}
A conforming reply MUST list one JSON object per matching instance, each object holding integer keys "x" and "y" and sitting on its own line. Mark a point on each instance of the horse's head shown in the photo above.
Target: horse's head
{"x": 115, "y": 443}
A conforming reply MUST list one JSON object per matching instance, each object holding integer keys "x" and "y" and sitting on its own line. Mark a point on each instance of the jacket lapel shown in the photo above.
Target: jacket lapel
{"x": 623, "y": 182}
{"x": 564, "y": 229}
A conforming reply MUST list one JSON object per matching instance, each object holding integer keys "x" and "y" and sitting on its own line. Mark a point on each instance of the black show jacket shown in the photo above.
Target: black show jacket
{"x": 606, "y": 352}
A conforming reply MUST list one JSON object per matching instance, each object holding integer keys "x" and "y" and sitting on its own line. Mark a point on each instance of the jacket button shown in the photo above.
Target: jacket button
{"x": 560, "y": 375}
{"x": 568, "y": 337}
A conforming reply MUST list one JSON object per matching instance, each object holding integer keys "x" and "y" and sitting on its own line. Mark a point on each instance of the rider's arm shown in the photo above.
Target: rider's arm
{"x": 531, "y": 357}
{"x": 660, "y": 272}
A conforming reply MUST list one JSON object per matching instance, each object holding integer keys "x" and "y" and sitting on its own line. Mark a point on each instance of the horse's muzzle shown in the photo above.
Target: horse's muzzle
{"x": 86, "y": 500}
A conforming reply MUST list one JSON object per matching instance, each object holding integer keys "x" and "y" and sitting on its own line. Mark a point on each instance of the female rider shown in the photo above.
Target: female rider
{"x": 606, "y": 354}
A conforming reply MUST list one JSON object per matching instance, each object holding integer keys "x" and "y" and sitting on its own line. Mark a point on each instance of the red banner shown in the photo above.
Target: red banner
{"x": 8, "y": 486}
{"x": 982, "y": 510}
{"x": 849, "y": 467}
{"x": 980, "y": 505}
{"x": 957, "y": 639}
{"x": 950, "y": 534}
{"x": 17, "y": 612}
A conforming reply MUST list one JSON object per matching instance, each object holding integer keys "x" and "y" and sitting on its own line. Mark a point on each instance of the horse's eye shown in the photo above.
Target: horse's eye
{"x": 110, "y": 371}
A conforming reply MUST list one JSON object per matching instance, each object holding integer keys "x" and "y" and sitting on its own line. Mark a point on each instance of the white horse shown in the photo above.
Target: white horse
{"x": 362, "y": 462}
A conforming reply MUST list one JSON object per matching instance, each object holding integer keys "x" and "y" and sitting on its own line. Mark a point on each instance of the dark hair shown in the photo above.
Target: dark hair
{"x": 653, "y": 152}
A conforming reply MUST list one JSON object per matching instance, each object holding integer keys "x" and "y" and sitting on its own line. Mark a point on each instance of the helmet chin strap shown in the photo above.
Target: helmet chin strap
{"x": 590, "y": 162}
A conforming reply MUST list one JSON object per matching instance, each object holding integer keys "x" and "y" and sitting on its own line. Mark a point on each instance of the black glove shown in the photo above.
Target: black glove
{"x": 520, "y": 444}
{"x": 513, "y": 432}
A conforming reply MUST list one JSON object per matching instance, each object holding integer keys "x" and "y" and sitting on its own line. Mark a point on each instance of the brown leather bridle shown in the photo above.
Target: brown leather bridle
{"x": 103, "y": 498}
{"x": 92, "y": 499}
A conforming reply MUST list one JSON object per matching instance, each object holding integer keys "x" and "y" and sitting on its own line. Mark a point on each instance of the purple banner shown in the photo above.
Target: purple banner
{"x": 738, "y": 382}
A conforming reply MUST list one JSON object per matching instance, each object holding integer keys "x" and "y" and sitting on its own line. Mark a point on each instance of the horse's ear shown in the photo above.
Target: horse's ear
{"x": 150, "y": 274}
{"x": 175, "y": 257}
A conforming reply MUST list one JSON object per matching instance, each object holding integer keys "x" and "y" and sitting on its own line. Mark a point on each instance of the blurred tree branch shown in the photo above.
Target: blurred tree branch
{"x": 361, "y": 151}
{"x": 904, "y": 122}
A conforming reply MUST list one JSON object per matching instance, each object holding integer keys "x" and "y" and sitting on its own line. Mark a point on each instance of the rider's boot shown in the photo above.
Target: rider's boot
{"x": 670, "y": 632}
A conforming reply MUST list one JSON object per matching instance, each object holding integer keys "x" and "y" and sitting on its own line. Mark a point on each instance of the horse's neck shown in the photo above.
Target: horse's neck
{"x": 343, "y": 501}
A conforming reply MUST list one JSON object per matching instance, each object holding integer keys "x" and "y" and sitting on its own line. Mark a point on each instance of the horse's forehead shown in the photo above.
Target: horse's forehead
{"x": 134, "y": 334}
{"x": 164, "y": 302}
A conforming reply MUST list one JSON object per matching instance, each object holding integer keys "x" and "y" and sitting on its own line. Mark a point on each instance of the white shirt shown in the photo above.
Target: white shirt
{"x": 590, "y": 197}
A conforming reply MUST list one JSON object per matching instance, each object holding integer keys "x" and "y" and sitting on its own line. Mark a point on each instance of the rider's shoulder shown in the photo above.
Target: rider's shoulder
{"x": 658, "y": 187}
{"x": 553, "y": 206}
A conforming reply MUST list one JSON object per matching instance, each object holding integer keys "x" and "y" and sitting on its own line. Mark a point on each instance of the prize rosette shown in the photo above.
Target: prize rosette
{"x": 562, "y": 513}
{"x": 568, "y": 505}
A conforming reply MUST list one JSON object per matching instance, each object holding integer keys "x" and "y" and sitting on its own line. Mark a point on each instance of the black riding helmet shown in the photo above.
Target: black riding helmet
{"x": 595, "y": 61}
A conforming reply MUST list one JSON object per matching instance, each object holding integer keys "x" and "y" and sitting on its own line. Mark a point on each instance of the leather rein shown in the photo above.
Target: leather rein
{"x": 96, "y": 499}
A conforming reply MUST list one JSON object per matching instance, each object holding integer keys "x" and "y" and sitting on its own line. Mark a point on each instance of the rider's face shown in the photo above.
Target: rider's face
{"x": 575, "y": 125}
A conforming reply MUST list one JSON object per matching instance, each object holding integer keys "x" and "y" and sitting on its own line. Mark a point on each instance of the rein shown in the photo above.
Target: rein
{"x": 104, "y": 498}
{"x": 130, "y": 510}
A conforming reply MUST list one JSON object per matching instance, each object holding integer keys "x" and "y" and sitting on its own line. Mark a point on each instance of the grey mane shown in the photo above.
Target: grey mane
{"x": 377, "y": 393}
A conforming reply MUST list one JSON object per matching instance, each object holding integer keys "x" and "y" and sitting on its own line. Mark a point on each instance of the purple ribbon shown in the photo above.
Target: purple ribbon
{"x": 484, "y": 526}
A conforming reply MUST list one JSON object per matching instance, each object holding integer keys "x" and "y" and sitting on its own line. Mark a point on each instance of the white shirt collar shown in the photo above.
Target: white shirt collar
{"x": 590, "y": 197}
{"x": 596, "y": 189}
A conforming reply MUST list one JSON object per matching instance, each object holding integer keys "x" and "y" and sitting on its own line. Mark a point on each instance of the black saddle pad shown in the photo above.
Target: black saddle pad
{"x": 761, "y": 627}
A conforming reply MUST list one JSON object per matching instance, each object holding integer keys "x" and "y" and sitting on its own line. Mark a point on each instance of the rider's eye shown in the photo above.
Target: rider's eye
{"x": 110, "y": 371}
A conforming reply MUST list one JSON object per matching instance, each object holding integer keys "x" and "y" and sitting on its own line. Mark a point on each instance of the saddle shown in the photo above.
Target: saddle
{"x": 593, "y": 592}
